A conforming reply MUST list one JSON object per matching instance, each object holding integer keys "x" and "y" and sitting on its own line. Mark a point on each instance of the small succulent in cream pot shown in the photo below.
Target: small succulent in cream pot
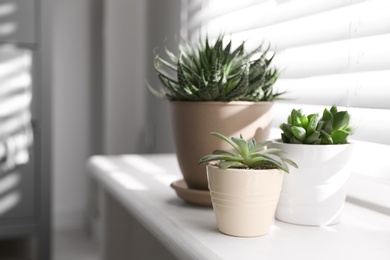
{"x": 245, "y": 185}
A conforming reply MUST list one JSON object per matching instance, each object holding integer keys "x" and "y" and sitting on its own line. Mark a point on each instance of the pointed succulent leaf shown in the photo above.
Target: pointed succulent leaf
{"x": 225, "y": 152}
{"x": 242, "y": 144}
{"x": 161, "y": 72}
{"x": 327, "y": 127}
{"x": 221, "y": 136}
{"x": 166, "y": 63}
{"x": 289, "y": 161}
{"x": 320, "y": 125}
{"x": 240, "y": 89}
{"x": 251, "y": 144}
{"x": 226, "y": 51}
{"x": 230, "y": 164}
{"x": 274, "y": 157}
{"x": 313, "y": 122}
{"x": 184, "y": 81}
{"x": 313, "y": 138}
{"x": 171, "y": 56}
{"x": 172, "y": 87}
{"x": 304, "y": 121}
{"x": 326, "y": 138}
{"x": 270, "y": 150}
{"x": 339, "y": 136}
{"x": 294, "y": 140}
{"x": 212, "y": 90}
{"x": 219, "y": 157}
{"x": 237, "y": 52}
{"x": 327, "y": 115}
{"x": 285, "y": 139}
{"x": 260, "y": 145}
{"x": 333, "y": 110}
{"x": 340, "y": 120}
{"x": 277, "y": 161}
{"x": 295, "y": 118}
{"x": 299, "y": 132}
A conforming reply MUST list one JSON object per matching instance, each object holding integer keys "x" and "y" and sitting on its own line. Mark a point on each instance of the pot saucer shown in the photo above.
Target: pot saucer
{"x": 195, "y": 197}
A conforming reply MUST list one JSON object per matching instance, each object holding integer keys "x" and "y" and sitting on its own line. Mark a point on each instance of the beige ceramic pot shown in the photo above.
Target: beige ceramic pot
{"x": 244, "y": 201}
{"x": 193, "y": 121}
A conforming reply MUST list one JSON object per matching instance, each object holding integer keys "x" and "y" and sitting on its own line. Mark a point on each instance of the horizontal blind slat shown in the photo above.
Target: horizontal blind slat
{"x": 336, "y": 57}
{"x": 368, "y": 89}
{"x": 345, "y": 23}
{"x": 281, "y": 11}
{"x": 275, "y": 18}
{"x": 15, "y": 123}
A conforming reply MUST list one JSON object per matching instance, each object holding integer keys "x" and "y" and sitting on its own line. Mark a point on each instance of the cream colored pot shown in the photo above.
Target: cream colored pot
{"x": 315, "y": 193}
{"x": 244, "y": 201}
{"x": 193, "y": 121}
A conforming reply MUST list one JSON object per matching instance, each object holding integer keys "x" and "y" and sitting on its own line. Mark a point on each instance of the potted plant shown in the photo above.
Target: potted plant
{"x": 214, "y": 87}
{"x": 315, "y": 195}
{"x": 245, "y": 185}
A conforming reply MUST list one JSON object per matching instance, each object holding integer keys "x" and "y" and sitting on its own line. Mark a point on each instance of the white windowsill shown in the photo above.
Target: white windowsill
{"x": 189, "y": 232}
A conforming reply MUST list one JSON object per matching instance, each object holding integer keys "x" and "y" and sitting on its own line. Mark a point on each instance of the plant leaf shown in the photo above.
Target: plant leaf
{"x": 340, "y": 120}
{"x": 219, "y": 157}
{"x": 339, "y": 136}
{"x": 299, "y": 132}
{"x": 326, "y": 138}
{"x": 228, "y": 164}
{"x": 286, "y": 128}
{"x": 312, "y": 125}
{"x": 243, "y": 146}
{"x": 221, "y": 136}
{"x": 260, "y": 145}
{"x": 313, "y": 138}
{"x": 291, "y": 162}
{"x": 225, "y": 152}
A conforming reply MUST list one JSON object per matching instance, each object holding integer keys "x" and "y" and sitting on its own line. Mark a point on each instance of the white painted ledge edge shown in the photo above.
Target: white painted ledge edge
{"x": 180, "y": 243}
{"x": 186, "y": 242}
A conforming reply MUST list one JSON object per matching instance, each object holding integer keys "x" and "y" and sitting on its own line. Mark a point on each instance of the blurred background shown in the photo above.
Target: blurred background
{"x": 72, "y": 84}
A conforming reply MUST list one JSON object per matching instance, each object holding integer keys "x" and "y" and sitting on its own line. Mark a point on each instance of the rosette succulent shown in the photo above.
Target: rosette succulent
{"x": 332, "y": 128}
{"x": 247, "y": 154}
{"x": 216, "y": 72}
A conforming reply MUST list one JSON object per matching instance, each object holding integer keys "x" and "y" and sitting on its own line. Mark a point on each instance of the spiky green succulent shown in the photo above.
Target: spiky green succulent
{"x": 216, "y": 72}
{"x": 332, "y": 128}
{"x": 248, "y": 154}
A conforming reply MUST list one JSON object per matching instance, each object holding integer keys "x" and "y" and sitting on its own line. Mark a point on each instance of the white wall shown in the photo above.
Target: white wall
{"x": 163, "y": 30}
{"x": 134, "y": 120}
{"x": 71, "y": 111}
{"x": 104, "y": 110}
{"x": 124, "y": 89}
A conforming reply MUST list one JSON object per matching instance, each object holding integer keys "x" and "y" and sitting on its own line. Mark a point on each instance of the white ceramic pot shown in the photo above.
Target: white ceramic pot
{"x": 314, "y": 194}
{"x": 244, "y": 201}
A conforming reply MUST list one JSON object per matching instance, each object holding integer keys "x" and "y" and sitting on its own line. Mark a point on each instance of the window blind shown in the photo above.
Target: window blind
{"x": 329, "y": 52}
{"x": 16, "y": 134}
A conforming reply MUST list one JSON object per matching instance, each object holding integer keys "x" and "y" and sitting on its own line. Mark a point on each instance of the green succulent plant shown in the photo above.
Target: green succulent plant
{"x": 216, "y": 72}
{"x": 332, "y": 128}
{"x": 248, "y": 154}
